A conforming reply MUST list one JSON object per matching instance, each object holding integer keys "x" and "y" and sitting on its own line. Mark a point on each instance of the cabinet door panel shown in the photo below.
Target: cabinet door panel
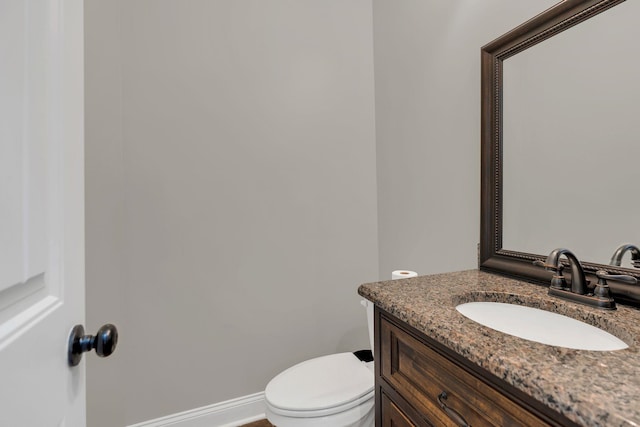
{"x": 392, "y": 416}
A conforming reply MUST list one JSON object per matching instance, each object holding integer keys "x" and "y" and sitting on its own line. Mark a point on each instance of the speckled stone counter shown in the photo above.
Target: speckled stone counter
{"x": 592, "y": 388}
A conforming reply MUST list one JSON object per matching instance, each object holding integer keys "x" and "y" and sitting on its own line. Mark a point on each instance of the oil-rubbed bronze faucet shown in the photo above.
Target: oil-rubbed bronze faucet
{"x": 616, "y": 259}
{"x": 578, "y": 281}
{"x": 597, "y": 296}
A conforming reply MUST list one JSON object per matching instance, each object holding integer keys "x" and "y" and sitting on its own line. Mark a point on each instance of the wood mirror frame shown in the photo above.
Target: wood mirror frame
{"x": 492, "y": 256}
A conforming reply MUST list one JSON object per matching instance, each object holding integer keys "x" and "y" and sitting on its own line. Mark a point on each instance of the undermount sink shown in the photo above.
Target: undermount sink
{"x": 540, "y": 326}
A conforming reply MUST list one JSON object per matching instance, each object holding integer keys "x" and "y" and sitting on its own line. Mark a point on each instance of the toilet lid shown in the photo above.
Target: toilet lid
{"x": 337, "y": 380}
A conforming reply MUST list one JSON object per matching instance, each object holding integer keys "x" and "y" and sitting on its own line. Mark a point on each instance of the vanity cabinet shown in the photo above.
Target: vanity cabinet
{"x": 419, "y": 382}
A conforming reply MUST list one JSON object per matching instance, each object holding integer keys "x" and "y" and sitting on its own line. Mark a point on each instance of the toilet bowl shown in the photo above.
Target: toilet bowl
{"x": 329, "y": 391}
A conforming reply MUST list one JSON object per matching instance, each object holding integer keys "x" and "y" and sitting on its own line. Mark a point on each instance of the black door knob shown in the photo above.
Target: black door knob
{"x": 104, "y": 342}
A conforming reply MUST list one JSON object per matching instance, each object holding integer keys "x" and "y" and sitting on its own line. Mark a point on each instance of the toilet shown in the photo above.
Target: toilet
{"x": 329, "y": 391}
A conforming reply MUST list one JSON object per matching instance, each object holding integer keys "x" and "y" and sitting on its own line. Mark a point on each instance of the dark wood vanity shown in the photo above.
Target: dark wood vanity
{"x": 419, "y": 382}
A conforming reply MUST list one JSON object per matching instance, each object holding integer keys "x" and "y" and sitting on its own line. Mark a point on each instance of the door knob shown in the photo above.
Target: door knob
{"x": 104, "y": 342}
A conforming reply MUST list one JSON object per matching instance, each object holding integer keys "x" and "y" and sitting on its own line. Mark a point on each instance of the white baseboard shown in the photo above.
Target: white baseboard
{"x": 231, "y": 413}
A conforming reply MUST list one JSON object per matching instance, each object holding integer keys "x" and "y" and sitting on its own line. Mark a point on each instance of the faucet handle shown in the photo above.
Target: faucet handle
{"x": 549, "y": 267}
{"x": 603, "y": 276}
{"x": 602, "y": 290}
{"x": 558, "y": 280}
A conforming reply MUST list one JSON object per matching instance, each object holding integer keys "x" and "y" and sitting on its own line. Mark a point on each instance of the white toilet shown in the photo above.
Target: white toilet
{"x": 328, "y": 391}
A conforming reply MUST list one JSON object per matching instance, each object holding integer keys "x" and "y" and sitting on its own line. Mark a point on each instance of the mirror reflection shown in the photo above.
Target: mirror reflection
{"x": 571, "y": 131}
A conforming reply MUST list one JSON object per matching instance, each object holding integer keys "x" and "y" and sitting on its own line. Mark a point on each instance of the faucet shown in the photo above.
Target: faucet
{"x": 578, "y": 280}
{"x": 616, "y": 259}
{"x": 598, "y": 295}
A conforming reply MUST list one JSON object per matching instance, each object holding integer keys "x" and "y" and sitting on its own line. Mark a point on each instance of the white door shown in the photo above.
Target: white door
{"x": 41, "y": 211}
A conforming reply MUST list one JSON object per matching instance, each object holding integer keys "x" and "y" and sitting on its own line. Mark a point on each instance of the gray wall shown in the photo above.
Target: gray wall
{"x": 231, "y": 194}
{"x": 104, "y": 209}
{"x": 427, "y": 79}
{"x": 233, "y": 209}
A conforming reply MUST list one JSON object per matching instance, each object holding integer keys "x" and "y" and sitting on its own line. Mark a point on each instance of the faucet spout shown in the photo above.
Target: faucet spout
{"x": 616, "y": 259}
{"x": 578, "y": 280}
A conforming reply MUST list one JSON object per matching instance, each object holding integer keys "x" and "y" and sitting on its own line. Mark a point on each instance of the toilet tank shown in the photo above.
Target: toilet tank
{"x": 369, "y": 307}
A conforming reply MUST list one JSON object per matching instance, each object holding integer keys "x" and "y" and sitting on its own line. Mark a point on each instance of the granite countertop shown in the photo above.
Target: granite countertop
{"x": 592, "y": 388}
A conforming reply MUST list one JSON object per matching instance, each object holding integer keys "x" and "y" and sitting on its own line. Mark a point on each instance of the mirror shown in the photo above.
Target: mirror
{"x": 559, "y": 134}
{"x": 572, "y": 140}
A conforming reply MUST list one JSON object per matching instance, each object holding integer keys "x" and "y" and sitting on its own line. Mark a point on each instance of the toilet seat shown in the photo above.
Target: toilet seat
{"x": 320, "y": 387}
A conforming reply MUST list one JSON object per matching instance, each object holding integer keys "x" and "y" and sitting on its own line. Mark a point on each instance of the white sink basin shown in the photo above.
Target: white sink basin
{"x": 540, "y": 326}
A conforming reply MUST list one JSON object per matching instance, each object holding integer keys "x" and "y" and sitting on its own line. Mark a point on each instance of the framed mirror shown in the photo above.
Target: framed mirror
{"x": 560, "y": 134}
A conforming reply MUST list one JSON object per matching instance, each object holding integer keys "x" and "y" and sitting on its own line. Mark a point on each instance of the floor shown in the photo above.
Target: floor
{"x": 261, "y": 423}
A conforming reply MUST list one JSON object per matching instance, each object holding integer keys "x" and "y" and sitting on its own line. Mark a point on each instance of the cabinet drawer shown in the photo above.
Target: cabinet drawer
{"x": 392, "y": 416}
{"x": 421, "y": 374}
